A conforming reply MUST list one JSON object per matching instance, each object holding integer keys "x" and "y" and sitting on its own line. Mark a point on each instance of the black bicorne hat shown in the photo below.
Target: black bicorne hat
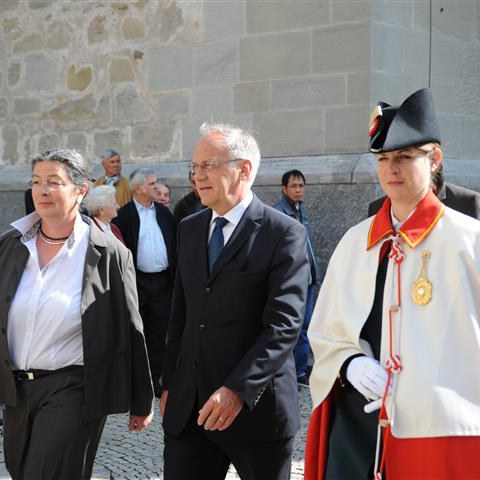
{"x": 413, "y": 123}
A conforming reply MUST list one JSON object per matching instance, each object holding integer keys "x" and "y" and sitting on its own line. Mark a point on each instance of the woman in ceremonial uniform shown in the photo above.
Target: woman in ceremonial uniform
{"x": 395, "y": 331}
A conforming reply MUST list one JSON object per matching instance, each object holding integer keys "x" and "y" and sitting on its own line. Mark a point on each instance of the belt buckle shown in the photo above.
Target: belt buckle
{"x": 30, "y": 376}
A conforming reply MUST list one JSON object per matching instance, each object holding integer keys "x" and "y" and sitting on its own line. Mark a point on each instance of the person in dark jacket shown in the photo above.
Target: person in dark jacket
{"x": 189, "y": 204}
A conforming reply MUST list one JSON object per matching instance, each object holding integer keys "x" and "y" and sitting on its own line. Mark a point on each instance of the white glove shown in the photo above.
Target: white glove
{"x": 368, "y": 377}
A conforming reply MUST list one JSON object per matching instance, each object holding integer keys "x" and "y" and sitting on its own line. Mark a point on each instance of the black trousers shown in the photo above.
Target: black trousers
{"x": 155, "y": 298}
{"x": 196, "y": 455}
{"x": 44, "y": 436}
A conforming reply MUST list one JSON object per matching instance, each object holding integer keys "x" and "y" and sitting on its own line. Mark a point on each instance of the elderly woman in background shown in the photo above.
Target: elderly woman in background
{"x": 395, "y": 331}
{"x": 102, "y": 208}
{"x": 72, "y": 349}
{"x": 162, "y": 194}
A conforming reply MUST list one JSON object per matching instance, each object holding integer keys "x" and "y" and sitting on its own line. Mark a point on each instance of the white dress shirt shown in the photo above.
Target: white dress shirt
{"x": 151, "y": 251}
{"x": 233, "y": 216}
{"x": 44, "y": 322}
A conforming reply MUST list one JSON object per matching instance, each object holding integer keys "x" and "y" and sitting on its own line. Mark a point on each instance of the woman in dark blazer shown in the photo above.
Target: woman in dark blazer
{"x": 72, "y": 349}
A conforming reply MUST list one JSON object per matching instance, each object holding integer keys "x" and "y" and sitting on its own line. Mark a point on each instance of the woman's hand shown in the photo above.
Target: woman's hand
{"x": 368, "y": 377}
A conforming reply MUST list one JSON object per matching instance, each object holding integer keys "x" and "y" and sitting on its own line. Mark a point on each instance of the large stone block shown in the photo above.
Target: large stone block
{"x": 26, "y": 106}
{"x": 417, "y": 51}
{"x": 278, "y": 15}
{"x": 311, "y": 92}
{"x": 467, "y": 90}
{"x": 3, "y": 107}
{"x": 36, "y": 4}
{"x": 74, "y": 110}
{"x": 78, "y": 142}
{"x": 121, "y": 70}
{"x": 346, "y": 129}
{"x": 212, "y": 102}
{"x": 223, "y": 20}
{"x": 351, "y": 48}
{"x": 387, "y": 88}
{"x": 29, "y": 43}
{"x": 469, "y": 137}
{"x": 191, "y": 125}
{"x": 444, "y": 100}
{"x": 113, "y": 140}
{"x": 275, "y": 56}
{"x": 49, "y": 142}
{"x": 79, "y": 80}
{"x": 387, "y": 48}
{"x": 215, "y": 63}
{"x": 58, "y": 36}
{"x": 173, "y": 105}
{"x": 10, "y": 144}
{"x": 351, "y": 11}
{"x": 450, "y": 131}
{"x": 358, "y": 88}
{"x": 393, "y": 12}
{"x": 252, "y": 97}
{"x": 8, "y": 5}
{"x": 170, "y": 68}
{"x": 131, "y": 107}
{"x": 133, "y": 28}
{"x": 444, "y": 47}
{"x": 451, "y": 17}
{"x": 13, "y": 74}
{"x": 150, "y": 141}
{"x": 290, "y": 133}
{"x": 40, "y": 73}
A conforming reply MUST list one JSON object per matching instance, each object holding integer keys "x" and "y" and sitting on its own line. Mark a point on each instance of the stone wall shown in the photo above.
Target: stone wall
{"x": 404, "y": 56}
{"x": 141, "y": 76}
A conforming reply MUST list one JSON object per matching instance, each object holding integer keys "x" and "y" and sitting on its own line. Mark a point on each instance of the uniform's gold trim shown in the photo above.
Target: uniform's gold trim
{"x": 422, "y": 288}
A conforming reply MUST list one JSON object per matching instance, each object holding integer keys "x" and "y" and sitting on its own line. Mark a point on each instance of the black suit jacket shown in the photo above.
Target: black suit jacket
{"x": 116, "y": 371}
{"x": 237, "y": 326}
{"x": 128, "y": 222}
{"x": 461, "y": 199}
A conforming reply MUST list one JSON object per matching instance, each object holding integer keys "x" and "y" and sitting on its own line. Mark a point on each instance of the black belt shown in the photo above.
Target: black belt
{"x": 34, "y": 373}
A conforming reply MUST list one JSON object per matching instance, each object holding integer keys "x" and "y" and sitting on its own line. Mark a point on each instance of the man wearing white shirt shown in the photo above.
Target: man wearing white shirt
{"x": 148, "y": 229}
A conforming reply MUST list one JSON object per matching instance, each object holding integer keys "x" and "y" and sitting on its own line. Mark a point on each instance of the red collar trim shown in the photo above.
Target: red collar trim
{"x": 414, "y": 230}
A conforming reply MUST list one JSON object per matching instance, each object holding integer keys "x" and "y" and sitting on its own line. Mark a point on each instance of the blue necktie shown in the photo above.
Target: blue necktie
{"x": 216, "y": 244}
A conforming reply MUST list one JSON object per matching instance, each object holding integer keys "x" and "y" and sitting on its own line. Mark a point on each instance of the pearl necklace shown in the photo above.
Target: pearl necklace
{"x": 52, "y": 240}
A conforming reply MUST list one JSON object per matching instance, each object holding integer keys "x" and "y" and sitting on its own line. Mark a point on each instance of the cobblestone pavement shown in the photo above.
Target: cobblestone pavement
{"x": 129, "y": 456}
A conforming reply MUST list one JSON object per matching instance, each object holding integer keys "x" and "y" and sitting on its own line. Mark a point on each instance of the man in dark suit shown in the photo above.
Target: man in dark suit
{"x": 240, "y": 290}
{"x": 148, "y": 229}
{"x": 459, "y": 198}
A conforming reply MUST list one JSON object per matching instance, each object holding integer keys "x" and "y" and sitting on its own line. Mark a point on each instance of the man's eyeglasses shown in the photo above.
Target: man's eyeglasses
{"x": 48, "y": 185}
{"x": 208, "y": 166}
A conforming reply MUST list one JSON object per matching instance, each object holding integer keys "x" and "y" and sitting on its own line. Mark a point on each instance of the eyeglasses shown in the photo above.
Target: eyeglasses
{"x": 208, "y": 166}
{"x": 48, "y": 185}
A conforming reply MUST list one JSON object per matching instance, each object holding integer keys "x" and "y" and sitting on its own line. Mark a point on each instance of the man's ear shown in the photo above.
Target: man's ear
{"x": 246, "y": 169}
{"x": 284, "y": 189}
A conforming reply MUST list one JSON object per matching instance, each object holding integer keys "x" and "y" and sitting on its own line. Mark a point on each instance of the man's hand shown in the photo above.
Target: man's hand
{"x": 137, "y": 423}
{"x": 162, "y": 402}
{"x": 220, "y": 410}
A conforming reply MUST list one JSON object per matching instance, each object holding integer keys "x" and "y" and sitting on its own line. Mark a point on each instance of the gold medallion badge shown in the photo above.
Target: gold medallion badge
{"x": 422, "y": 288}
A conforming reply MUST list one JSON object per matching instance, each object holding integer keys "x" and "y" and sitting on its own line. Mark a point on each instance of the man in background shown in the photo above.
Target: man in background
{"x": 112, "y": 165}
{"x": 291, "y": 203}
{"x": 148, "y": 229}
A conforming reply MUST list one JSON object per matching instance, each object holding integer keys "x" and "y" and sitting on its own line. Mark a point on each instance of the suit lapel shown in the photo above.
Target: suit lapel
{"x": 243, "y": 231}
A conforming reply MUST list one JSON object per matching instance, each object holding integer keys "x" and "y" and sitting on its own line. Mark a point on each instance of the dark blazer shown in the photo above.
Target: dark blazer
{"x": 237, "y": 326}
{"x": 460, "y": 199}
{"x": 128, "y": 222}
{"x": 187, "y": 205}
{"x": 117, "y": 375}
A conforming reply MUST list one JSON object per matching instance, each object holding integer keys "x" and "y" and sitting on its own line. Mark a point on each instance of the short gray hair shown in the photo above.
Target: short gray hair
{"x": 78, "y": 168}
{"x": 108, "y": 154}
{"x": 138, "y": 177}
{"x": 240, "y": 143}
{"x": 99, "y": 197}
